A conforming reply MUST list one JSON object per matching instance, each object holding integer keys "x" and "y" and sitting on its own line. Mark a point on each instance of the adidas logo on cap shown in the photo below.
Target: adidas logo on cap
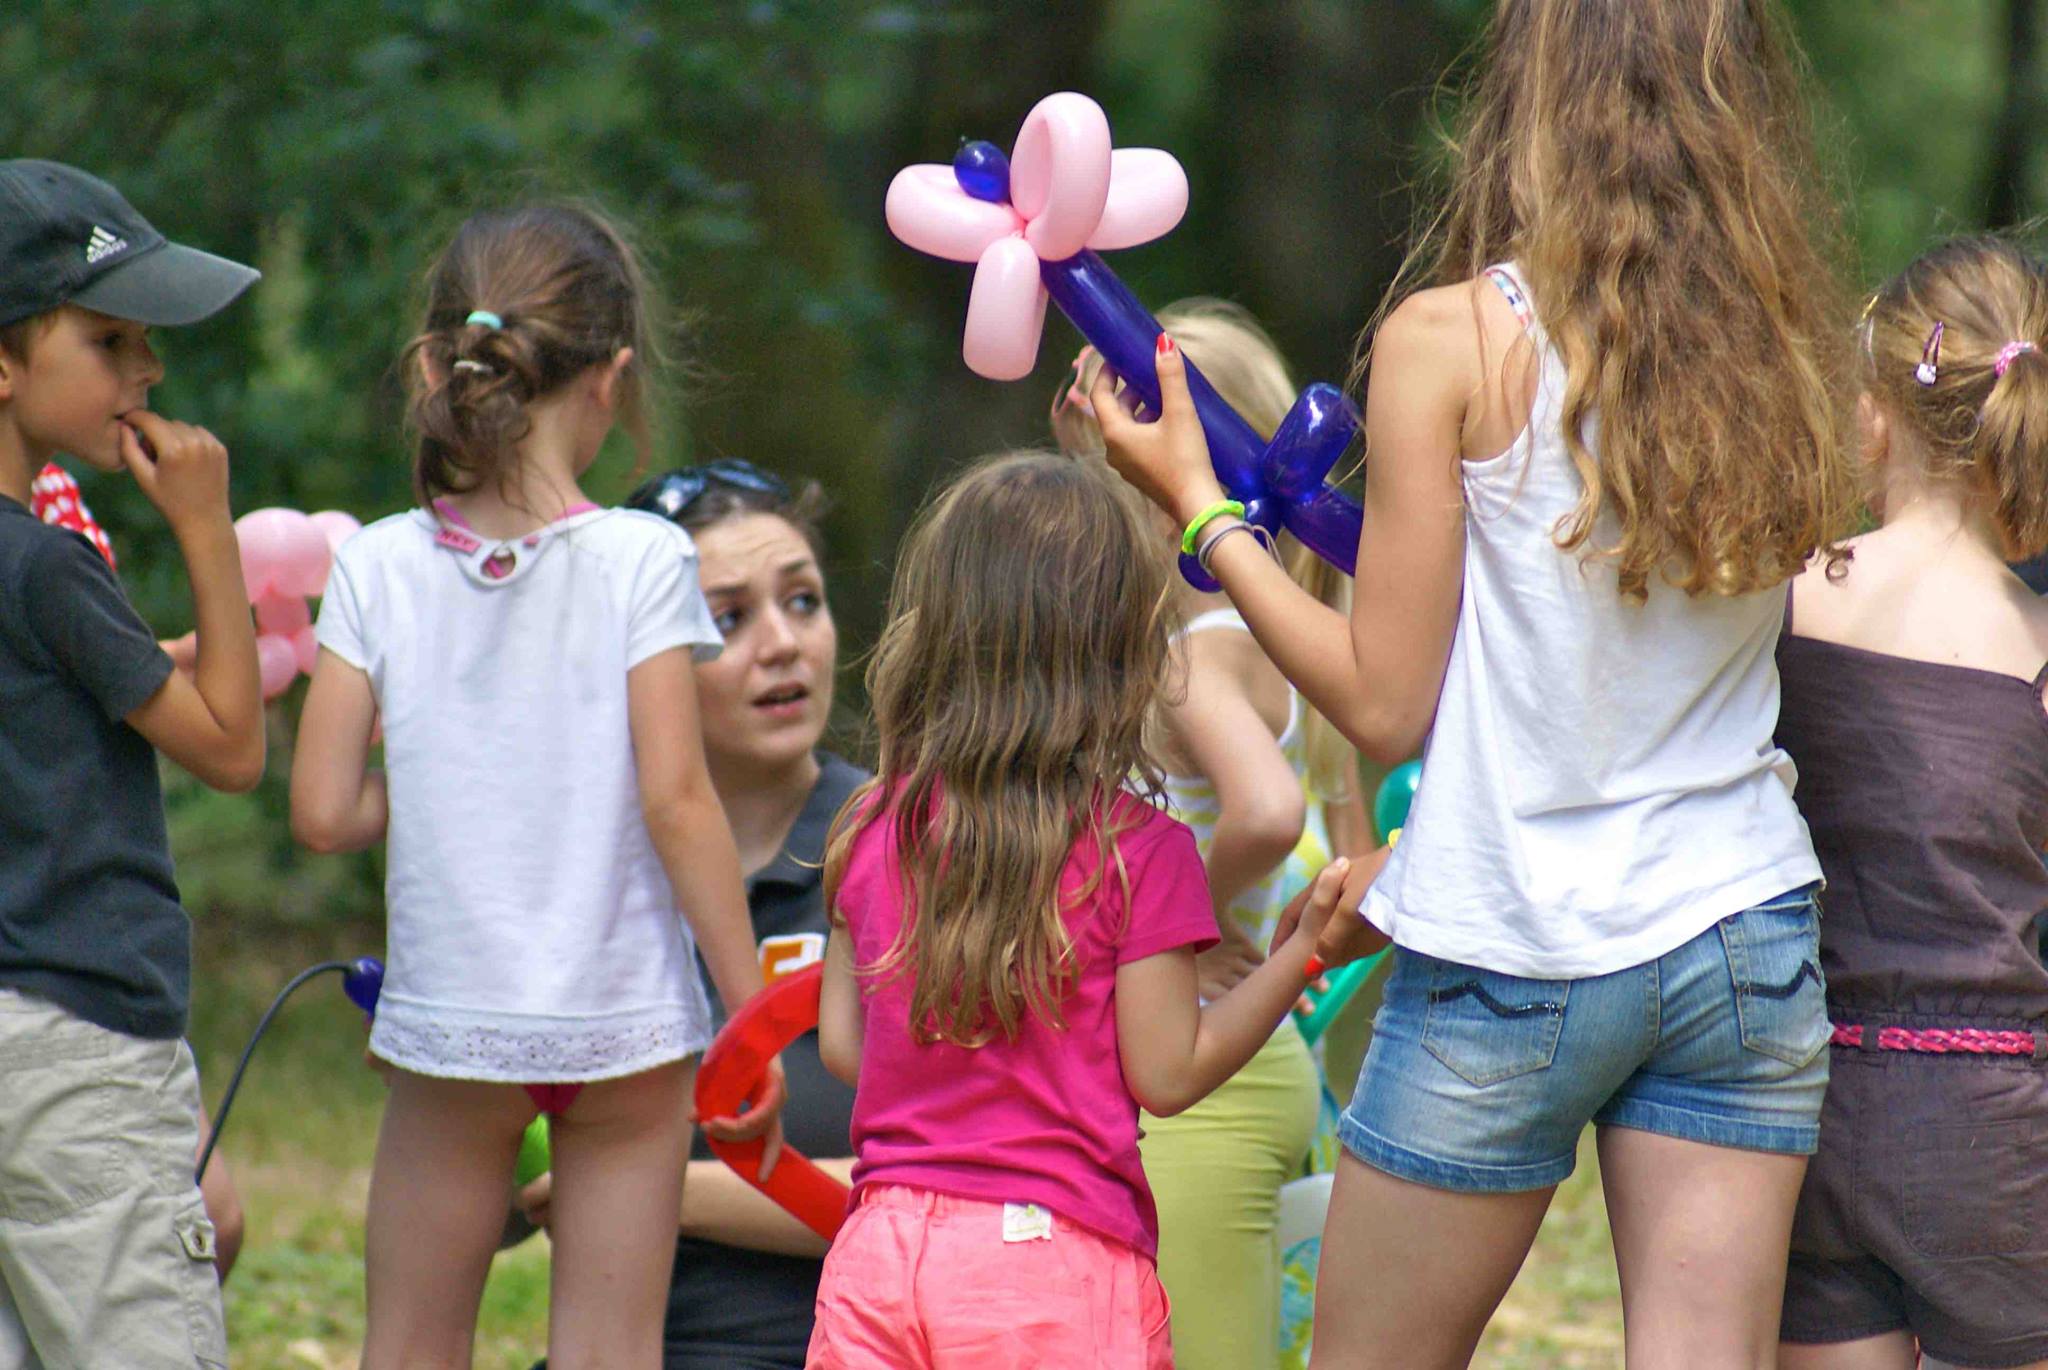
{"x": 102, "y": 245}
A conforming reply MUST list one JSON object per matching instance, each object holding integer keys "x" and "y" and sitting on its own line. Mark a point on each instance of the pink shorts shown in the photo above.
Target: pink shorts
{"x": 925, "y": 1280}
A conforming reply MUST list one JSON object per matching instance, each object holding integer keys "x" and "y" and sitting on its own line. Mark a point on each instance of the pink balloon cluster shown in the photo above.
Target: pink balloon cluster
{"x": 1068, "y": 192}
{"x": 286, "y": 556}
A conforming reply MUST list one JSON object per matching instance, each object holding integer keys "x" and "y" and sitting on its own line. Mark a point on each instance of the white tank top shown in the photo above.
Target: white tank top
{"x": 1600, "y": 784}
{"x": 1192, "y": 799}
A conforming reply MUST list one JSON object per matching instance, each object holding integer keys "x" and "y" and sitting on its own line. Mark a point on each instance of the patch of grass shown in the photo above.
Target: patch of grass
{"x": 300, "y": 1142}
{"x": 1564, "y": 1311}
{"x": 304, "y": 1130}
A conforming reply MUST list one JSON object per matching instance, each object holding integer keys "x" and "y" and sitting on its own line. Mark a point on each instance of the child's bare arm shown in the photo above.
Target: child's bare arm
{"x": 1173, "y": 1050}
{"x": 210, "y": 722}
{"x": 695, "y": 844}
{"x": 688, "y": 824}
{"x": 1377, "y": 678}
{"x": 1260, "y": 807}
{"x": 338, "y": 803}
{"x": 841, "y": 1029}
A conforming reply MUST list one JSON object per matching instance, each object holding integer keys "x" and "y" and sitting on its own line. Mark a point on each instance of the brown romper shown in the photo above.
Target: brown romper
{"x": 1926, "y": 1210}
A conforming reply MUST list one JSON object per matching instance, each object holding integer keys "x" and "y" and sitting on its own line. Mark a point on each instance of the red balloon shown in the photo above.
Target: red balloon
{"x": 732, "y": 1073}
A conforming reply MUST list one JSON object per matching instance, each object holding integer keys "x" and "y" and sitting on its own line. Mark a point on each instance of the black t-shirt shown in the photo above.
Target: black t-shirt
{"x": 89, "y": 913}
{"x": 751, "y": 1310}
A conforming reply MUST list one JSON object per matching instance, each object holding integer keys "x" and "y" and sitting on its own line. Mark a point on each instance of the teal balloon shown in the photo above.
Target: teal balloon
{"x": 534, "y": 1158}
{"x": 1396, "y": 794}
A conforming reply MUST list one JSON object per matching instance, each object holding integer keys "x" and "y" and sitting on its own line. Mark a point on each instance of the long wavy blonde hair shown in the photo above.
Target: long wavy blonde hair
{"x": 1651, "y": 167}
{"x": 1980, "y": 425}
{"x": 1026, "y": 646}
{"x": 1245, "y": 365}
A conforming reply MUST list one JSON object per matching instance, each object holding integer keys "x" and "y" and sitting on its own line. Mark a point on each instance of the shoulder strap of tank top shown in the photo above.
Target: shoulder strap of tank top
{"x": 1294, "y": 719}
{"x": 1509, "y": 284}
{"x": 1215, "y": 618}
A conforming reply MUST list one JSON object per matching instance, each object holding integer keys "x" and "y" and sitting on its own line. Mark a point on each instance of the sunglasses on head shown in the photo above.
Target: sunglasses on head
{"x": 673, "y": 492}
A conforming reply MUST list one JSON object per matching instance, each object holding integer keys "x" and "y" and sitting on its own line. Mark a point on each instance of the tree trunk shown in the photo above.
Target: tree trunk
{"x": 2006, "y": 197}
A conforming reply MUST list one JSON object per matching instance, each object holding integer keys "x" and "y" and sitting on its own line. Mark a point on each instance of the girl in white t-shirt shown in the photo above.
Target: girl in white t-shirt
{"x": 544, "y": 799}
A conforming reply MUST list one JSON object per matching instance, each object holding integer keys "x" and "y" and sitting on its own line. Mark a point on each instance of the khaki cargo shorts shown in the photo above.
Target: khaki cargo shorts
{"x": 106, "y": 1254}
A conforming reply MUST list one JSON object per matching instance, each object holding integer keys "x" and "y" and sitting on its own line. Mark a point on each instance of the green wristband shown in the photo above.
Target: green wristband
{"x": 1203, "y": 519}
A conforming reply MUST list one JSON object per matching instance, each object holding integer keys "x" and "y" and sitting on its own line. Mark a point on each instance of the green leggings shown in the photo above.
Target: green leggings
{"x": 1216, "y": 1172}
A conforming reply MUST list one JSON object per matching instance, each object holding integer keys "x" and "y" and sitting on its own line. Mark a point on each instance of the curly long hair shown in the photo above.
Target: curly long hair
{"x": 1026, "y": 645}
{"x": 1651, "y": 167}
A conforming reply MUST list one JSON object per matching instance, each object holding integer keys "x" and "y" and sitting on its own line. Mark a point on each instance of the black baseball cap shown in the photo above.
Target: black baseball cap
{"x": 70, "y": 238}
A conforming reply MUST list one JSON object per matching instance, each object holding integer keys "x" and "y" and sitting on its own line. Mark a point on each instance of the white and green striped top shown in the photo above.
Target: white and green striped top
{"x": 1192, "y": 799}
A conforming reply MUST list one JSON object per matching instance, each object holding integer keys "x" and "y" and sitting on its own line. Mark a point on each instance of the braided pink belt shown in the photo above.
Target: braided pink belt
{"x": 1939, "y": 1041}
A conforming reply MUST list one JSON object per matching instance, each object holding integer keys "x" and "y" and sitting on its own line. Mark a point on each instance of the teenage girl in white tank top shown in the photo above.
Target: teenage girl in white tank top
{"x": 1603, "y": 900}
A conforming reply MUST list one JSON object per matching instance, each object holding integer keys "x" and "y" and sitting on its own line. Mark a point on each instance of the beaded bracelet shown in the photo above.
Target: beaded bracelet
{"x": 1202, "y": 520}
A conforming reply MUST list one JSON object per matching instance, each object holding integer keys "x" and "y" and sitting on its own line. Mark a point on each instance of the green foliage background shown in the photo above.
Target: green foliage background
{"x": 336, "y": 142}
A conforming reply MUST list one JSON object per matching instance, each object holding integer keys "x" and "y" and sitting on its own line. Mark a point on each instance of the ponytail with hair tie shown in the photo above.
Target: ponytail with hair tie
{"x": 1941, "y": 338}
{"x": 577, "y": 296}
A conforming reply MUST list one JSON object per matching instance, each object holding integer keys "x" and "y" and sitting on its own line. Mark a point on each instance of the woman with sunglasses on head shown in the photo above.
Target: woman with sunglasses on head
{"x": 746, "y": 1273}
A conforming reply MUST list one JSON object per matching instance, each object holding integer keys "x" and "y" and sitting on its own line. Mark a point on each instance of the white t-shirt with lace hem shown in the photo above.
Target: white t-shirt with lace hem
{"x": 533, "y": 935}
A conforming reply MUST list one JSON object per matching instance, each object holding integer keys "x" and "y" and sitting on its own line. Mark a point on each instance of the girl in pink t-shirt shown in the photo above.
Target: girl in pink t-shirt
{"x": 1011, "y": 971}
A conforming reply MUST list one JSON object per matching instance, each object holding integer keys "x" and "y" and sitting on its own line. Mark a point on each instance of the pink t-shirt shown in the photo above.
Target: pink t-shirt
{"x": 1045, "y": 1119}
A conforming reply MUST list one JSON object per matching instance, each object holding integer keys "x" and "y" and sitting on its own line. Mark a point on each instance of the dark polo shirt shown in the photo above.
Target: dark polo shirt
{"x": 751, "y": 1310}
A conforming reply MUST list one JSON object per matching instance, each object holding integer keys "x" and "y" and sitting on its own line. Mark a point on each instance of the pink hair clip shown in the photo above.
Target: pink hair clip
{"x": 2008, "y": 352}
{"x": 1930, "y": 355}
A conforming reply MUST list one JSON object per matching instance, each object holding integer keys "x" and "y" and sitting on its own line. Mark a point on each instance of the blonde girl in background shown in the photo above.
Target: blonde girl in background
{"x": 544, "y": 798}
{"x": 1271, "y": 790}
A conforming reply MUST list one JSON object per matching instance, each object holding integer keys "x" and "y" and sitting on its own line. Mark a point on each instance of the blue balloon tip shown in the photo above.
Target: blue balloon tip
{"x": 363, "y": 982}
{"x": 983, "y": 172}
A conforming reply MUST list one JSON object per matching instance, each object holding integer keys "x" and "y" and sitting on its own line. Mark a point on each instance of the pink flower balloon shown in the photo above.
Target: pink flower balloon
{"x": 1068, "y": 193}
{"x": 282, "y": 614}
{"x": 283, "y": 552}
{"x": 277, "y": 664}
{"x": 336, "y": 526}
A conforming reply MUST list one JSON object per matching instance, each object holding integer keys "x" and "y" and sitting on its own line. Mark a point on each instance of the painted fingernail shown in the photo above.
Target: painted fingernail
{"x": 1165, "y": 344}
{"x": 1314, "y": 969}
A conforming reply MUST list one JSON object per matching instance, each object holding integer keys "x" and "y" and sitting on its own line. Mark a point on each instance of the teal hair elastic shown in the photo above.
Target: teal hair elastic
{"x": 486, "y": 318}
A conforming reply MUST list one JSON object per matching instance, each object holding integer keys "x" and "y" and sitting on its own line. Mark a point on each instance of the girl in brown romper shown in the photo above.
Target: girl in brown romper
{"x": 1912, "y": 674}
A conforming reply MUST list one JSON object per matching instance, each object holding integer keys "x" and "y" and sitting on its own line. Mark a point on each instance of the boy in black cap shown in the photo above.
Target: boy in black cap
{"x": 105, "y": 1249}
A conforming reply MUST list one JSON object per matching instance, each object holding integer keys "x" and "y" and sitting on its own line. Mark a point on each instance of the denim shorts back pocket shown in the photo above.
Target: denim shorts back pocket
{"x": 1774, "y": 965}
{"x": 1488, "y": 1026}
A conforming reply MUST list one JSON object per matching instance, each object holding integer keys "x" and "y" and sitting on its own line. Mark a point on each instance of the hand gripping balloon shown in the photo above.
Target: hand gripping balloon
{"x": 1033, "y": 223}
{"x": 733, "y": 1071}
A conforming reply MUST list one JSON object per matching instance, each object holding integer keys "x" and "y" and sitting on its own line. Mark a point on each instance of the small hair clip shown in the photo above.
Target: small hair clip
{"x": 1930, "y": 355}
{"x": 486, "y": 318}
{"x": 2008, "y": 352}
{"x": 469, "y": 364}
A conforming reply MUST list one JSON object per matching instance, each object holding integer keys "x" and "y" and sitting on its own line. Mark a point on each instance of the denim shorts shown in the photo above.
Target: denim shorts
{"x": 1482, "y": 1081}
